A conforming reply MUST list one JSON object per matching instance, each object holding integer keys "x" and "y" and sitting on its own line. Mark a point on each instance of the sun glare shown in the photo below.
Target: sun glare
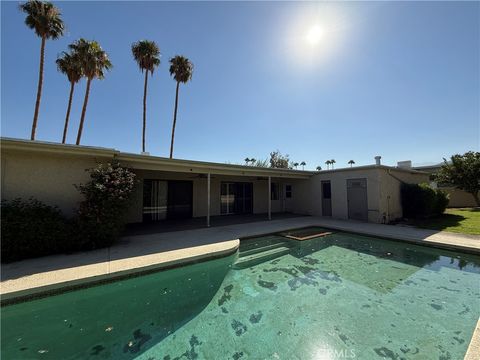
{"x": 314, "y": 35}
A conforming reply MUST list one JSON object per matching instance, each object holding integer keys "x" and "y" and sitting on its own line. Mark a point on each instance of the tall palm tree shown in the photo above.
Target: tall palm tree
{"x": 182, "y": 70}
{"x": 328, "y": 162}
{"x": 94, "y": 62}
{"x": 247, "y": 161}
{"x": 69, "y": 65}
{"x": 332, "y": 162}
{"x": 303, "y": 163}
{"x": 44, "y": 18}
{"x": 295, "y": 165}
{"x": 147, "y": 55}
{"x": 319, "y": 168}
{"x": 351, "y": 162}
{"x": 253, "y": 160}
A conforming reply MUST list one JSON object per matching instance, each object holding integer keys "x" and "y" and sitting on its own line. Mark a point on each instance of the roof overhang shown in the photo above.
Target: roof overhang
{"x": 148, "y": 162}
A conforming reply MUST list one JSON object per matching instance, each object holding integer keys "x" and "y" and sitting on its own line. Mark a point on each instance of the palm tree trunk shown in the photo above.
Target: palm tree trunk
{"x": 72, "y": 86}
{"x": 144, "y": 110}
{"x": 174, "y": 120}
{"x": 39, "y": 89}
{"x": 84, "y": 110}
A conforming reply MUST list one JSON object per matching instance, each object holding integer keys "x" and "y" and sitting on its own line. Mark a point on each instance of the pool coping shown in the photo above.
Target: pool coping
{"x": 473, "y": 350}
{"x": 194, "y": 250}
{"x": 227, "y": 248}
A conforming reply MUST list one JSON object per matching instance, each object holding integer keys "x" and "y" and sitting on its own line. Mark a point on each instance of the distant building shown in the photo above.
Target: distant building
{"x": 458, "y": 198}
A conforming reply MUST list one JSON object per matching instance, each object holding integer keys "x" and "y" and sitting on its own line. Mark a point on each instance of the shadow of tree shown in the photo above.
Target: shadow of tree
{"x": 440, "y": 222}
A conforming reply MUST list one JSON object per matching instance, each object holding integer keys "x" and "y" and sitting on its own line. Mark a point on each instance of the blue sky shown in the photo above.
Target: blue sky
{"x": 396, "y": 79}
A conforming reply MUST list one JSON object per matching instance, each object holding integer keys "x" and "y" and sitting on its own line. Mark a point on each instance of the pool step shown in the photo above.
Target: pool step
{"x": 259, "y": 257}
{"x": 248, "y": 244}
{"x": 255, "y": 250}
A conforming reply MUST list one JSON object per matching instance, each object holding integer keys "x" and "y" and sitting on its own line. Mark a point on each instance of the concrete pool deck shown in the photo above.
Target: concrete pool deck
{"x": 148, "y": 252}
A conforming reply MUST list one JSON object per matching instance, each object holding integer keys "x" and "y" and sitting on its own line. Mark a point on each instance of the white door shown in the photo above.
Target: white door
{"x": 287, "y": 198}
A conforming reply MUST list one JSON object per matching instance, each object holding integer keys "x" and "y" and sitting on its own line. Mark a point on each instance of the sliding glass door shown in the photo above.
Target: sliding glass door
{"x": 155, "y": 195}
{"x": 172, "y": 199}
{"x": 236, "y": 198}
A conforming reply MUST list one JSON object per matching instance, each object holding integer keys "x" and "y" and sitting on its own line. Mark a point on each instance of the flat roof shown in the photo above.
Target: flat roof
{"x": 150, "y": 162}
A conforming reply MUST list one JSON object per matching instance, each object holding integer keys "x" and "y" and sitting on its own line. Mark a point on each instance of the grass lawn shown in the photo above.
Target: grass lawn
{"x": 466, "y": 221}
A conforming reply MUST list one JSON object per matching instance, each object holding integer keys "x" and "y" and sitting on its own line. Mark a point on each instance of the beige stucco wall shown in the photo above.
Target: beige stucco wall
{"x": 47, "y": 177}
{"x": 390, "y": 201}
{"x": 459, "y": 198}
{"x": 338, "y": 180}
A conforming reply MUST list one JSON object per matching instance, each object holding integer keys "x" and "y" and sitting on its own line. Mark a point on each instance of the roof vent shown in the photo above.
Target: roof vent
{"x": 377, "y": 160}
{"x": 404, "y": 164}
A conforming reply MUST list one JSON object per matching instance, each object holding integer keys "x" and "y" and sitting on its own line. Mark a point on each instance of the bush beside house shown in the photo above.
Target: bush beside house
{"x": 421, "y": 201}
{"x": 31, "y": 228}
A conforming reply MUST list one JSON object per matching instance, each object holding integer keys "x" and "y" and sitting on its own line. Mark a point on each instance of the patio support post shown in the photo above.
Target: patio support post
{"x": 208, "y": 200}
{"x": 269, "y": 198}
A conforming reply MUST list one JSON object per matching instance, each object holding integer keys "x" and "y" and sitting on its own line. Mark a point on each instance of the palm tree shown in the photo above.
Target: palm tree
{"x": 351, "y": 162}
{"x": 328, "y": 162}
{"x": 147, "y": 55}
{"x": 94, "y": 62}
{"x": 247, "y": 161}
{"x": 295, "y": 165}
{"x": 44, "y": 18}
{"x": 69, "y": 65}
{"x": 303, "y": 163}
{"x": 253, "y": 160}
{"x": 319, "y": 168}
{"x": 182, "y": 70}
{"x": 332, "y": 162}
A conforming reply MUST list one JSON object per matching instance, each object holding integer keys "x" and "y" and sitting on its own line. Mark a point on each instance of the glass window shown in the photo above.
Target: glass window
{"x": 288, "y": 191}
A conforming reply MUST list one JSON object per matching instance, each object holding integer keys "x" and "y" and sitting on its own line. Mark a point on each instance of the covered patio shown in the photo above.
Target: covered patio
{"x": 183, "y": 194}
{"x": 200, "y": 222}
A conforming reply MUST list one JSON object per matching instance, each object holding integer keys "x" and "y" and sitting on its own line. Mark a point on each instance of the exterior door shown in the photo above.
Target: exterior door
{"x": 326, "y": 198}
{"x": 180, "y": 199}
{"x": 154, "y": 200}
{"x": 357, "y": 199}
{"x": 236, "y": 198}
{"x": 287, "y": 200}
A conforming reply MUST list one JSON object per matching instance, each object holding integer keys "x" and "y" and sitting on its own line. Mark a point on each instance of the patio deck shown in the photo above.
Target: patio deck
{"x": 137, "y": 253}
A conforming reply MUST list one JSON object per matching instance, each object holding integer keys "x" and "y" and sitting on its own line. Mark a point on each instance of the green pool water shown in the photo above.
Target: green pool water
{"x": 342, "y": 296}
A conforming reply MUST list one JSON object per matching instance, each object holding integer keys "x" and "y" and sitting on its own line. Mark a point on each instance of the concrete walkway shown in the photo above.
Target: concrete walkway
{"x": 139, "y": 253}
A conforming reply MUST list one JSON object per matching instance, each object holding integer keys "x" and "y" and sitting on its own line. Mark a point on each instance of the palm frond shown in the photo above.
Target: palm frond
{"x": 44, "y": 18}
{"x": 181, "y": 68}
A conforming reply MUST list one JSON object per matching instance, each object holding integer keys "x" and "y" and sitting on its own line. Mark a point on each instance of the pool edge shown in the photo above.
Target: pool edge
{"x": 27, "y": 294}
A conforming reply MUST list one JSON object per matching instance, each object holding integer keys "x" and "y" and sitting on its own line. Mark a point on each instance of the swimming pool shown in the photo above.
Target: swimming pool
{"x": 340, "y": 296}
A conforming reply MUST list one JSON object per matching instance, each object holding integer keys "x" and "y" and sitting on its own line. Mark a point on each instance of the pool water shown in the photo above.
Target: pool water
{"x": 342, "y": 296}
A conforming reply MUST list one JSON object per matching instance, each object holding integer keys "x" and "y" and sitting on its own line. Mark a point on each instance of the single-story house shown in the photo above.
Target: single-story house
{"x": 174, "y": 188}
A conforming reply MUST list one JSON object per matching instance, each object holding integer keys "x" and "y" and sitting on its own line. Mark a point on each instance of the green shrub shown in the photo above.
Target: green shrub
{"x": 31, "y": 228}
{"x": 421, "y": 201}
{"x": 101, "y": 216}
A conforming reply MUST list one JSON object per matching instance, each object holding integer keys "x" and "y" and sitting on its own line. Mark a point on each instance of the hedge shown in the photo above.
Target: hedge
{"x": 422, "y": 201}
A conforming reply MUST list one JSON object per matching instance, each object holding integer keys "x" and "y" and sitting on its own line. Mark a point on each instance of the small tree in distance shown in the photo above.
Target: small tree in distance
{"x": 351, "y": 162}
{"x": 463, "y": 172}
